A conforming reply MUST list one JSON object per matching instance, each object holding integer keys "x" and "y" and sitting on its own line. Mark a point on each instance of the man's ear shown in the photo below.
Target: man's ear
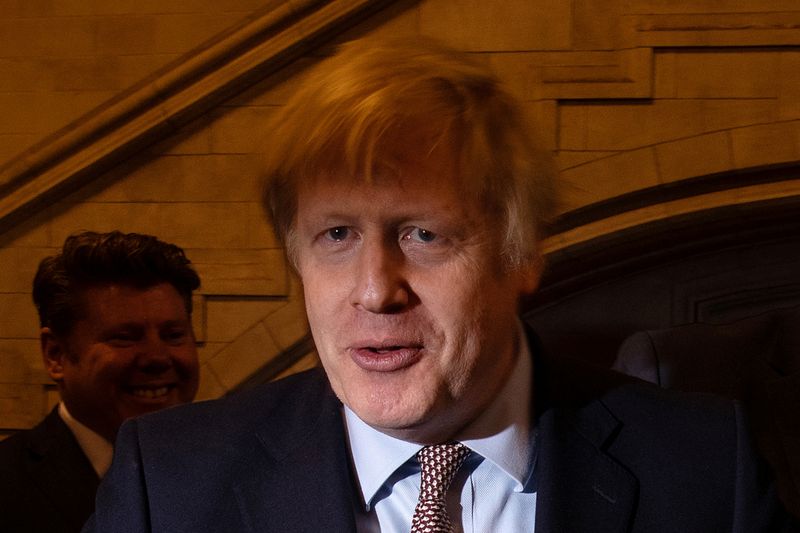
{"x": 54, "y": 351}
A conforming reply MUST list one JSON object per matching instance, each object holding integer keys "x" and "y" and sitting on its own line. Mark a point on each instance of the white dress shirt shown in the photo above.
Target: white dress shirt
{"x": 97, "y": 449}
{"x": 493, "y": 491}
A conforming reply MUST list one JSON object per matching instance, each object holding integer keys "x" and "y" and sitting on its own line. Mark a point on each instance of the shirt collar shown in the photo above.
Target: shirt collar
{"x": 501, "y": 434}
{"x": 97, "y": 449}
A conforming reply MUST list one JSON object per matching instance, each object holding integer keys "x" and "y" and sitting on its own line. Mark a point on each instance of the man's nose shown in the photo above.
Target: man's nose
{"x": 380, "y": 285}
{"x": 154, "y": 357}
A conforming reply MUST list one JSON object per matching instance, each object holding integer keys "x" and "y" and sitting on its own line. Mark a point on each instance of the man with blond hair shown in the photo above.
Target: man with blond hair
{"x": 411, "y": 197}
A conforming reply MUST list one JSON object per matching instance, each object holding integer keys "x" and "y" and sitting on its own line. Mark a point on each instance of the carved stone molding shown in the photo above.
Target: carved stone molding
{"x": 174, "y": 95}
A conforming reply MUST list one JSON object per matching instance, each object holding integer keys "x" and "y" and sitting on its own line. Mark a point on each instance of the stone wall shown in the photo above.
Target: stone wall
{"x": 631, "y": 95}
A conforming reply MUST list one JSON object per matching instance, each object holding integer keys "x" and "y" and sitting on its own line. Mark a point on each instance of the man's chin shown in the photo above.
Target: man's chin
{"x": 411, "y": 423}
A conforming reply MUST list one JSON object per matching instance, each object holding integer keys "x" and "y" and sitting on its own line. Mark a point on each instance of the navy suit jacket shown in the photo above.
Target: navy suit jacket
{"x": 47, "y": 484}
{"x": 614, "y": 455}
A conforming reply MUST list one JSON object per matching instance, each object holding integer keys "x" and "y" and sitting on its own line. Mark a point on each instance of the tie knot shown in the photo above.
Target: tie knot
{"x": 439, "y": 463}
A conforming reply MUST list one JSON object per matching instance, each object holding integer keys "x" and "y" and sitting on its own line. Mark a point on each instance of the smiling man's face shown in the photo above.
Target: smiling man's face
{"x": 131, "y": 351}
{"x": 412, "y": 312}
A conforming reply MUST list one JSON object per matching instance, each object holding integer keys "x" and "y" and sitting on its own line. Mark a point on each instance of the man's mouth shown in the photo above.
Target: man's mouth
{"x": 385, "y": 356}
{"x": 151, "y": 393}
{"x": 385, "y": 349}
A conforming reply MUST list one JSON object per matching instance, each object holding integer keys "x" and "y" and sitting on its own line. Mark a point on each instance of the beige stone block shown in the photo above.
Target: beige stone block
{"x": 543, "y": 119}
{"x": 12, "y": 144}
{"x": 33, "y": 232}
{"x": 210, "y": 386}
{"x": 189, "y": 225}
{"x": 243, "y": 357}
{"x": 45, "y": 112}
{"x": 14, "y": 118}
{"x": 241, "y": 130}
{"x": 665, "y": 84}
{"x": 87, "y": 74}
{"x": 734, "y": 74}
{"x": 766, "y": 144}
{"x": 628, "y": 126}
{"x": 707, "y": 6}
{"x": 180, "y": 32}
{"x": 103, "y": 72}
{"x": 259, "y": 233}
{"x": 18, "y": 319}
{"x": 24, "y": 74}
{"x": 36, "y": 36}
{"x": 567, "y": 159}
{"x": 719, "y": 114}
{"x": 511, "y": 25}
{"x": 277, "y": 88}
{"x": 600, "y": 75}
{"x": 572, "y": 130}
{"x": 695, "y": 156}
{"x": 519, "y": 71}
{"x": 789, "y": 85}
{"x": 230, "y": 317}
{"x": 185, "y": 178}
{"x": 18, "y": 266}
{"x": 700, "y": 29}
{"x": 21, "y": 405}
{"x": 131, "y": 34}
{"x": 207, "y": 350}
{"x": 596, "y": 25}
{"x": 608, "y": 178}
{"x": 199, "y": 318}
{"x": 193, "y": 138}
{"x": 127, "y": 7}
{"x": 288, "y": 324}
{"x": 21, "y": 362}
{"x": 241, "y": 272}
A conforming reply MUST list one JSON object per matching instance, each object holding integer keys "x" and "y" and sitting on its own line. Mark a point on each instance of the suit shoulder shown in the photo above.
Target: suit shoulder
{"x": 277, "y": 403}
{"x": 12, "y": 450}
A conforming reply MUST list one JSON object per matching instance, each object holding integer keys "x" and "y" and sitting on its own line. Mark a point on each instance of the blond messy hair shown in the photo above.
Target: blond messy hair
{"x": 341, "y": 122}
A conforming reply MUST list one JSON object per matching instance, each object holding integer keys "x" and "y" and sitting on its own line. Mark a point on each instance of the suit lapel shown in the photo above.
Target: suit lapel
{"x": 580, "y": 487}
{"x": 309, "y": 462}
{"x": 60, "y": 469}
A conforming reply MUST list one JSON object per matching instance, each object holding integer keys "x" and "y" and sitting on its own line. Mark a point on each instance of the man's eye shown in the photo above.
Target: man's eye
{"x": 421, "y": 235}
{"x": 175, "y": 336}
{"x": 338, "y": 233}
{"x": 121, "y": 339}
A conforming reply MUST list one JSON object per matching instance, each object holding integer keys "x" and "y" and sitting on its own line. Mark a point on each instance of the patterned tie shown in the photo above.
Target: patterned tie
{"x": 439, "y": 463}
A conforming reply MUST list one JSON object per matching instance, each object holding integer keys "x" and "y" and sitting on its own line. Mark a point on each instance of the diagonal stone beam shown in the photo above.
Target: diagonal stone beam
{"x": 174, "y": 95}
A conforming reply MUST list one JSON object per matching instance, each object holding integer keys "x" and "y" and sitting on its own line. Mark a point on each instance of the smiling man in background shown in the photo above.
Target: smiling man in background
{"x": 116, "y": 337}
{"x": 411, "y": 199}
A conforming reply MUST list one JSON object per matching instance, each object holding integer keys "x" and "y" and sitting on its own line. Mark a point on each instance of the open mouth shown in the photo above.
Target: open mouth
{"x": 150, "y": 393}
{"x": 386, "y": 357}
{"x": 386, "y": 349}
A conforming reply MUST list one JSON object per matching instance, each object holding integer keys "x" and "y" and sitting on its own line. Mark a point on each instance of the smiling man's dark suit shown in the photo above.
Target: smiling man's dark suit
{"x": 614, "y": 455}
{"x": 46, "y": 481}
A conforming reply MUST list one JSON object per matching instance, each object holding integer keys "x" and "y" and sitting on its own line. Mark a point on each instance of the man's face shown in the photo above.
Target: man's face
{"x": 411, "y": 310}
{"x": 132, "y": 352}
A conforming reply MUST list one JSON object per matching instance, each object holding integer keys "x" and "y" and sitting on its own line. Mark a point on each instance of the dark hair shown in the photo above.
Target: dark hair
{"x": 90, "y": 259}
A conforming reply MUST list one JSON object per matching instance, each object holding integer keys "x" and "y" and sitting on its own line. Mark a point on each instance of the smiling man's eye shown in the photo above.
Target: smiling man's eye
{"x": 121, "y": 338}
{"x": 338, "y": 233}
{"x": 175, "y": 335}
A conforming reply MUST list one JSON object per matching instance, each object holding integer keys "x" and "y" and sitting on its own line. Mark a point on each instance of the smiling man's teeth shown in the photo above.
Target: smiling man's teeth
{"x": 151, "y": 393}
